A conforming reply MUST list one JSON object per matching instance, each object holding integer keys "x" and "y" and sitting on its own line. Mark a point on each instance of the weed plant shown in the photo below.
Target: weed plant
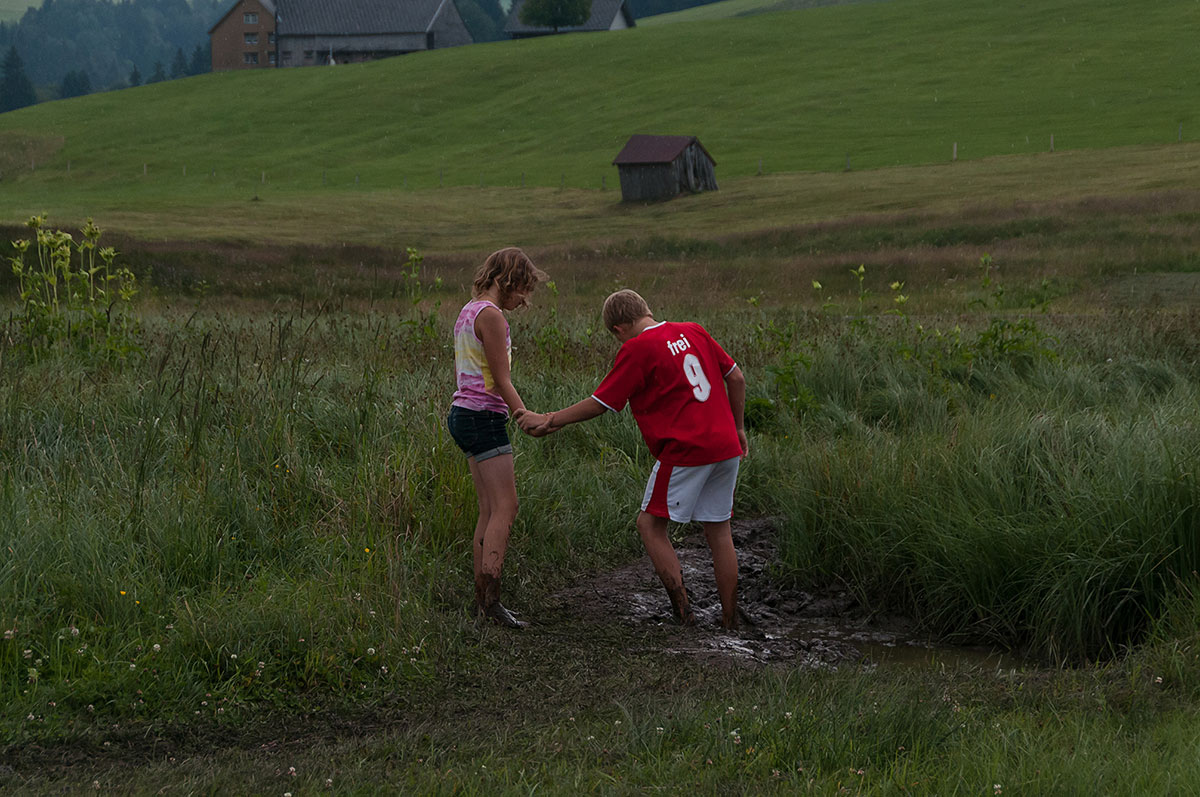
{"x": 265, "y": 509}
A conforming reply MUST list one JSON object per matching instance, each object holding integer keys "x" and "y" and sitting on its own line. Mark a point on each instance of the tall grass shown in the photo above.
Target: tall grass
{"x": 266, "y": 507}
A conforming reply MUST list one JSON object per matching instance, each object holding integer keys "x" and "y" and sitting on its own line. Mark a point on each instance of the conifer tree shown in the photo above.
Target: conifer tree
{"x": 201, "y": 62}
{"x": 135, "y": 77}
{"x": 75, "y": 83}
{"x": 16, "y": 90}
{"x": 179, "y": 66}
{"x": 159, "y": 73}
{"x": 556, "y": 13}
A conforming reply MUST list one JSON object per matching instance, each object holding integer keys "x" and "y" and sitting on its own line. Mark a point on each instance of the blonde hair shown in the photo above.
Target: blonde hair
{"x": 510, "y": 269}
{"x": 623, "y": 307}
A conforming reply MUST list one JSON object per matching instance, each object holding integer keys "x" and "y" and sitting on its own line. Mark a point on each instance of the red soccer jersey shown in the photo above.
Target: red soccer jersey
{"x": 672, "y": 375}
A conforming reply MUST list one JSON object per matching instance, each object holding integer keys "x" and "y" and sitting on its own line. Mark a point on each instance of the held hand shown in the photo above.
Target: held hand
{"x": 530, "y": 422}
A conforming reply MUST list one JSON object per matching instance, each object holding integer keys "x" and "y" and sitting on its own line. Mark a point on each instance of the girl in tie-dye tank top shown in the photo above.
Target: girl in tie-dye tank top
{"x": 480, "y": 408}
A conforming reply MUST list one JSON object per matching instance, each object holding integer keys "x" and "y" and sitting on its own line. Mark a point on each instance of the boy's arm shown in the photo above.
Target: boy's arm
{"x": 735, "y": 386}
{"x": 539, "y": 425}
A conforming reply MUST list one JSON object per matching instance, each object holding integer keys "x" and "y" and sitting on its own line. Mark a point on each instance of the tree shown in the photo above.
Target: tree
{"x": 201, "y": 61}
{"x": 484, "y": 19}
{"x": 16, "y": 90}
{"x": 179, "y": 66}
{"x": 75, "y": 84}
{"x": 159, "y": 74}
{"x": 556, "y": 13}
{"x": 135, "y": 77}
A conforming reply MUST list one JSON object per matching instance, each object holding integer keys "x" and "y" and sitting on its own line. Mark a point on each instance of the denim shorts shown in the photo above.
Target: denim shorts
{"x": 479, "y": 433}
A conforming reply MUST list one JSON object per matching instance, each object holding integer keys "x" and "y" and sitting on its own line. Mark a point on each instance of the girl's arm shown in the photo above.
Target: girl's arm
{"x": 489, "y": 326}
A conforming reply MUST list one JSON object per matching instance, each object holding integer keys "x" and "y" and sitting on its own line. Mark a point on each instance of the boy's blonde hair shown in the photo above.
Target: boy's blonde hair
{"x": 510, "y": 269}
{"x": 623, "y": 307}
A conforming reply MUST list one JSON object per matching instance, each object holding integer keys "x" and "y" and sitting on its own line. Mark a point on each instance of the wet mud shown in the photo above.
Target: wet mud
{"x": 781, "y": 624}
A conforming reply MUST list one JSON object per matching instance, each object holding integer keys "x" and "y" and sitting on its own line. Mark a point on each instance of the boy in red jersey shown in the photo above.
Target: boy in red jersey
{"x": 688, "y": 397}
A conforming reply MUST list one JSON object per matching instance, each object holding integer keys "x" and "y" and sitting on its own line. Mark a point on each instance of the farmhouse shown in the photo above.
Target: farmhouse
{"x": 606, "y": 15}
{"x": 245, "y": 37}
{"x": 265, "y": 33}
{"x": 660, "y": 167}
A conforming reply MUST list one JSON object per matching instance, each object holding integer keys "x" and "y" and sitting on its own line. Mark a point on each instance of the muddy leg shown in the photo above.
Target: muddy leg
{"x": 496, "y": 486}
{"x": 653, "y": 531}
{"x": 725, "y": 570}
{"x": 490, "y": 605}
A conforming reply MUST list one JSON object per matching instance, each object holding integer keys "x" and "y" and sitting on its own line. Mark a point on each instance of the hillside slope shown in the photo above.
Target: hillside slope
{"x": 872, "y": 85}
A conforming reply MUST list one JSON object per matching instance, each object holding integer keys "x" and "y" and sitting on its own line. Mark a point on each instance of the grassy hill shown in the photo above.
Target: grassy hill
{"x": 724, "y": 9}
{"x": 874, "y": 84}
{"x": 13, "y": 9}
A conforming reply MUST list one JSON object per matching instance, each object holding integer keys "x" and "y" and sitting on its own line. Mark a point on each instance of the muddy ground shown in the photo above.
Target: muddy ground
{"x": 789, "y": 626}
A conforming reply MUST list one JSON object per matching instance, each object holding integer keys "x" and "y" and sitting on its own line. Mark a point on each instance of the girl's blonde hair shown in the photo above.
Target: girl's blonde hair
{"x": 510, "y": 269}
{"x": 623, "y": 307}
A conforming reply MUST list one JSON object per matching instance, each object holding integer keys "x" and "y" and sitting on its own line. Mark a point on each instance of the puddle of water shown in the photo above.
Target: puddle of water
{"x": 790, "y": 626}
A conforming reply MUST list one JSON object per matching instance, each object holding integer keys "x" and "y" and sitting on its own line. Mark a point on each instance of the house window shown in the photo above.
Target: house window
{"x": 286, "y": 56}
{"x": 251, "y": 38}
{"x": 271, "y": 37}
{"x": 249, "y": 58}
{"x": 250, "y": 19}
{"x": 271, "y": 58}
{"x": 308, "y": 55}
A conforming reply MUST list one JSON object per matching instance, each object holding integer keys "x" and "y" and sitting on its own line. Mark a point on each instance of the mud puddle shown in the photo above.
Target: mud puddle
{"x": 792, "y": 626}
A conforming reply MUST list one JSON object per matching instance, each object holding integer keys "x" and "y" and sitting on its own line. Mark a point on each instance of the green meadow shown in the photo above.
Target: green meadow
{"x": 234, "y": 533}
{"x": 12, "y": 10}
{"x": 872, "y": 85}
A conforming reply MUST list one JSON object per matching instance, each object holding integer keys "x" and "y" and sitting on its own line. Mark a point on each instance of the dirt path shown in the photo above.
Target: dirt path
{"x": 800, "y": 628}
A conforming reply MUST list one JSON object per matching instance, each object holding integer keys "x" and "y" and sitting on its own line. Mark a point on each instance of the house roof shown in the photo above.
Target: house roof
{"x": 656, "y": 149}
{"x": 309, "y": 17}
{"x": 603, "y": 14}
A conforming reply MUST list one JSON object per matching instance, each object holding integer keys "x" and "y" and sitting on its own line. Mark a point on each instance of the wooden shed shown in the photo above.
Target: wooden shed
{"x": 660, "y": 167}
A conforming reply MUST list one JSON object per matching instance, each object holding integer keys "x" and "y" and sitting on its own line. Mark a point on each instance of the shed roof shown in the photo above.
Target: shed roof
{"x": 308, "y": 17}
{"x": 603, "y": 14}
{"x": 656, "y": 149}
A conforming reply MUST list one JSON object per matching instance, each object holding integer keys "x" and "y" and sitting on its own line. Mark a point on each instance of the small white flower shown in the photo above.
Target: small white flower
{"x": 157, "y": 647}
{"x": 132, "y": 666}
{"x": 370, "y": 651}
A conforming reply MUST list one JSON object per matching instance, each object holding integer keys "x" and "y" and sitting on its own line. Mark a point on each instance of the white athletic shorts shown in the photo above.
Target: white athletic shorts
{"x": 685, "y": 493}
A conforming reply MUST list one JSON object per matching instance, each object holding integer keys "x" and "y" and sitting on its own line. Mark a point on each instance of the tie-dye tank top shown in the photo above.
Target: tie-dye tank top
{"x": 476, "y": 387}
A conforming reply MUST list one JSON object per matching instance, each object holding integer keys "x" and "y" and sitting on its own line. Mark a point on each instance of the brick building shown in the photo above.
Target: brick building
{"x": 245, "y": 37}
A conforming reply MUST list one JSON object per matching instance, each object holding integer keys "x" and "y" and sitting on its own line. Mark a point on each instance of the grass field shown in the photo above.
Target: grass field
{"x": 12, "y": 10}
{"x": 242, "y": 554}
{"x": 873, "y": 92}
{"x": 238, "y": 560}
{"x": 737, "y": 8}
